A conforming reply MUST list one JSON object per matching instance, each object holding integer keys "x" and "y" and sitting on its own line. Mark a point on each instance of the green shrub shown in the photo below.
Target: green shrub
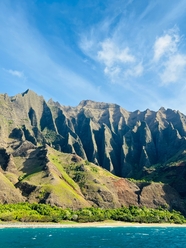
{"x": 27, "y": 212}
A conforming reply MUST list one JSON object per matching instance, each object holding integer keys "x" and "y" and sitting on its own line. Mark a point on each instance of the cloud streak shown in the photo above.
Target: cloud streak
{"x": 47, "y": 70}
{"x": 15, "y": 73}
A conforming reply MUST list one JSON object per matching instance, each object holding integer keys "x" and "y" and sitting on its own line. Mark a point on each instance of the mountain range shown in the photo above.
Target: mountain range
{"x": 94, "y": 154}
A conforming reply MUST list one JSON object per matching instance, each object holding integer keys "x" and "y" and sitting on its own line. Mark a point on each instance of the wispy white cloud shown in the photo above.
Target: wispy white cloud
{"x": 112, "y": 72}
{"x": 136, "y": 71}
{"x": 130, "y": 56}
{"x": 87, "y": 43}
{"x": 171, "y": 62}
{"x": 15, "y": 73}
{"x": 107, "y": 44}
{"x": 115, "y": 59}
{"x": 174, "y": 69}
{"x": 111, "y": 53}
{"x": 166, "y": 45}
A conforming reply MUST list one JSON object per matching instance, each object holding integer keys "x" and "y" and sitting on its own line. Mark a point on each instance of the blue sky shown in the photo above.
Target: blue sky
{"x": 128, "y": 52}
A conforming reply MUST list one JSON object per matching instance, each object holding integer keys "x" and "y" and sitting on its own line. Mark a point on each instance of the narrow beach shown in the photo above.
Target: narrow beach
{"x": 89, "y": 224}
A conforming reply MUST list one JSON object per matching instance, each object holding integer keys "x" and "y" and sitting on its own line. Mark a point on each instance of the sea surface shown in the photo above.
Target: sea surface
{"x": 98, "y": 237}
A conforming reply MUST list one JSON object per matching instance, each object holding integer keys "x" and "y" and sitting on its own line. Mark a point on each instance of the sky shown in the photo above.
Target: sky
{"x": 128, "y": 52}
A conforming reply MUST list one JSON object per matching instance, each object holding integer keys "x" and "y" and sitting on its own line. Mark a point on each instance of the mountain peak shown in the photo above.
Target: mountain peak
{"x": 26, "y": 92}
{"x": 96, "y": 105}
{"x": 162, "y": 109}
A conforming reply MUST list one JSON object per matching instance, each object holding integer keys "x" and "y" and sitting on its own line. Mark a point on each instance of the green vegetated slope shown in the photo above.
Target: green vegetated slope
{"x": 43, "y": 179}
{"x": 173, "y": 173}
{"x": 45, "y": 175}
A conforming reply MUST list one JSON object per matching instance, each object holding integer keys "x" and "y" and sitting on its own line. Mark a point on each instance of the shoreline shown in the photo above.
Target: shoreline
{"x": 85, "y": 225}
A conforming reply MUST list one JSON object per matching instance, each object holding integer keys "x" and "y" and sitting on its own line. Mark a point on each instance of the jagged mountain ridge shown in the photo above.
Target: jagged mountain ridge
{"x": 106, "y": 134}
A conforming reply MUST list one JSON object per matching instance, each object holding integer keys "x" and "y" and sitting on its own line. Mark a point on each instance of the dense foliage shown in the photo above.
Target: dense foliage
{"x": 27, "y": 212}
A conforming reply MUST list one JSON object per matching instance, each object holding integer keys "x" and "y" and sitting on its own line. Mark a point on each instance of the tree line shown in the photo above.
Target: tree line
{"x": 34, "y": 212}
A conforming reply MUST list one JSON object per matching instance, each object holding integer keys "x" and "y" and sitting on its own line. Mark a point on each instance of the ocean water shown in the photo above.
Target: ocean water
{"x": 99, "y": 237}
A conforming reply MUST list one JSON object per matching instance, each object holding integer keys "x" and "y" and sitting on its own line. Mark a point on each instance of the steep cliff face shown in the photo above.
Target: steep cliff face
{"x": 124, "y": 142}
{"x": 120, "y": 141}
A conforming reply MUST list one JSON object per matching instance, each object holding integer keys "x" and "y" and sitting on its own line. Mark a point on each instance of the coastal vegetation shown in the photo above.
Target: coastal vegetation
{"x": 34, "y": 212}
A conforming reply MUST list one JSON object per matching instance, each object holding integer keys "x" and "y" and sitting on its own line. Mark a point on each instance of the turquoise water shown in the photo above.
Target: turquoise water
{"x": 127, "y": 237}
